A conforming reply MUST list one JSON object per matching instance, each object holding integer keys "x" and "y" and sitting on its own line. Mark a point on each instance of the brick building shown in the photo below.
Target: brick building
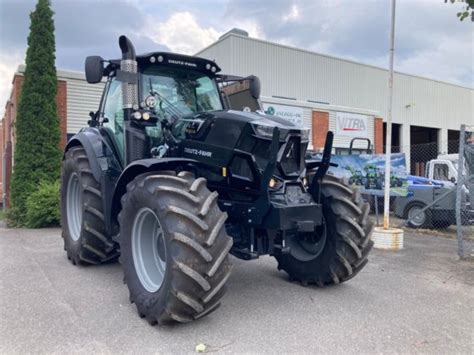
{"x": 74, "y": 100}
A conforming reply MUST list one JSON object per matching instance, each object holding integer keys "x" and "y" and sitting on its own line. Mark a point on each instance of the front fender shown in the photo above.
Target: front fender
{"x": 143, "y": 166}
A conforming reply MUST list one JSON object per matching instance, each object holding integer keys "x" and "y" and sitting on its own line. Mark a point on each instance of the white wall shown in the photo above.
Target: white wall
{"x": 300, "y": 74}
{"x": 309, "y": 107}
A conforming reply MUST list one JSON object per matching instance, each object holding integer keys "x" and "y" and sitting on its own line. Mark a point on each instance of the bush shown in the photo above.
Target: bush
{"x": 42, "y": 206}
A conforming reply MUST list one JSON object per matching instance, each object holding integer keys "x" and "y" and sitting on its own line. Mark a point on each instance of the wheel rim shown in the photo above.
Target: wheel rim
{"x": 148, "y": 250}
{"x": 416, "y": 217}
{"x": 306, "y": 247}
{"x": 74, "y": 207}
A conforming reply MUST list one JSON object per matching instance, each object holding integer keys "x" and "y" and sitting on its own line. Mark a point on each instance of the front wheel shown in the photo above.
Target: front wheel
{"x": 339, "y": 248}
{"x": 417, "y": 217}
{"x": 174, "y": 247}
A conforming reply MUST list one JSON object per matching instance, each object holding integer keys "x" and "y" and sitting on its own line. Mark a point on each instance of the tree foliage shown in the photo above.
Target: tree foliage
{"x": 42, "y": 206}
{"x": 37, "y": 155}
{"x": 467, "y": 11}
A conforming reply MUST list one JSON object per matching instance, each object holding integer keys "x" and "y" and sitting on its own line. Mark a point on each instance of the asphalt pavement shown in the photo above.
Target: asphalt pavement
{"x": 418, "y": 300}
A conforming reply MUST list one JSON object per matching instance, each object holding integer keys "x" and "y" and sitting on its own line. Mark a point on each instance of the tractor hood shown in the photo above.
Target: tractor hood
{"x": 231, "y": 124}
{"x": 218, "y": 137}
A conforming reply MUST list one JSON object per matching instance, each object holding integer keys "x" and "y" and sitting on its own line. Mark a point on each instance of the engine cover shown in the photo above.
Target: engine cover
{"x": 231, "y": 138}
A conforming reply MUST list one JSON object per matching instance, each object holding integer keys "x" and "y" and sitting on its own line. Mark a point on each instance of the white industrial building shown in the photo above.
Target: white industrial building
{"x": 424, "y": 110}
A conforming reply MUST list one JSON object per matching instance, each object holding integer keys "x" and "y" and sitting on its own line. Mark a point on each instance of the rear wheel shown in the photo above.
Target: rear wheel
{"x": 174, "y": 247}
{"x": 338, "y": 250}
{"x": 82, "y": 217}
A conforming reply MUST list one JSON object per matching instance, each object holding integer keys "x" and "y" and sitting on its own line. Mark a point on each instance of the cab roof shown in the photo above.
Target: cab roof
{"x": 175, "y": 60}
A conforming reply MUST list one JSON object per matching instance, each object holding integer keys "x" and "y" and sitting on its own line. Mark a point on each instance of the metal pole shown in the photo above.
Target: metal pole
{"x": 459, "y": 186}
{"x": 388, "y": 136}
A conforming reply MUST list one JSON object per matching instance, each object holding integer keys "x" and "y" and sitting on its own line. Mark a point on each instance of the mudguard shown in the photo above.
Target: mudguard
{"x": 142, "y": 166}
{"x": 97, "y": 148}
{"x": 104, "y": 162}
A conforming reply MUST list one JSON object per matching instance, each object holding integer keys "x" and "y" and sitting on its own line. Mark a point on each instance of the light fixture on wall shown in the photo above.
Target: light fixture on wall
{"x": 410, "y": 105}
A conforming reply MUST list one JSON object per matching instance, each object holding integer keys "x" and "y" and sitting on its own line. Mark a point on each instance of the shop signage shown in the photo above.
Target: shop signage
{"x": 351, "y": 125}
{"x": 291, "y": 113}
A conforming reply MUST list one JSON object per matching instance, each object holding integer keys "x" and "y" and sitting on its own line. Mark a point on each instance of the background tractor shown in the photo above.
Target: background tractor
{"x": 373, "y": 179}
{"x": 356, "y": 177}
{"x": 171, "y": 179}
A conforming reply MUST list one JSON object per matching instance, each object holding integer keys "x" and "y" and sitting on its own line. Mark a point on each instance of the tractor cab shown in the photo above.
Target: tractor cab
{"x": 164, "y": 91}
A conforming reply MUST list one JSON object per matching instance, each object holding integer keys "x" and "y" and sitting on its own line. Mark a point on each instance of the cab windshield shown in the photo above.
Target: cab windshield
{"x": 178, "y": 90}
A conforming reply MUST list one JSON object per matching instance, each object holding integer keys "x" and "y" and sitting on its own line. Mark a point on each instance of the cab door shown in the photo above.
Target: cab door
{"x": 112, "y": 115}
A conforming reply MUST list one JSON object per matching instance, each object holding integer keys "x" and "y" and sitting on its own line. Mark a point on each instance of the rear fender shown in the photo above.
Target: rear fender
{"x": 99, "y": 150}
{"x": 104, "y": 164}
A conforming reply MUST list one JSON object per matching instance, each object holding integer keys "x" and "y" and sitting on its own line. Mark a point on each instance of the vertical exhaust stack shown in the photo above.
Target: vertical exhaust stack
{"x": 136, "y": 146}
{"x": 128, "y": 64}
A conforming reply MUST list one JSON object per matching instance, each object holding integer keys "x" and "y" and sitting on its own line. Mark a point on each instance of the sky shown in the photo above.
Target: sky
{"x": 430, "y": 40}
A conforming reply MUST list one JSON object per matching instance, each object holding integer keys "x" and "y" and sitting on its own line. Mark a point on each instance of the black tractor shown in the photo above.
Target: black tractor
{"x": 169, "y": 179}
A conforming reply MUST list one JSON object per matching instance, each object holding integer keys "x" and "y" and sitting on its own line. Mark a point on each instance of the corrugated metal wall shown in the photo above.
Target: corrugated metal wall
{"x": 81, "y": 99}
{"x": 304, "y": 75}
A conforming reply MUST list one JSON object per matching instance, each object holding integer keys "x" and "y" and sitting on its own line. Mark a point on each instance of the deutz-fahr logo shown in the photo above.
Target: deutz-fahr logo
{"x": 201, "y": 153}
{"x": 181, "y": 62}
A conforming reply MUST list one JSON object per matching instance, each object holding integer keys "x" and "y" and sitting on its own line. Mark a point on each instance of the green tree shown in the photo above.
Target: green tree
{"x": 467, "y": 11}
{"x": 37, "y": 153}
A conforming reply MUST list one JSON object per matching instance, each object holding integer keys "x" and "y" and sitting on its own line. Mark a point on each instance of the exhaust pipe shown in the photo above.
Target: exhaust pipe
{"x": 127, "y": 48}
{"x": 135, "y": 138}
{"x": 128, "y": 64}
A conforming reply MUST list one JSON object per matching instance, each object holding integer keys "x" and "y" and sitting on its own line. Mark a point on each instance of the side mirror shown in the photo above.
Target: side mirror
{"x": 254, "y": 87}
{"x": 453, "y": 179}
{"x": 94, "y": 68}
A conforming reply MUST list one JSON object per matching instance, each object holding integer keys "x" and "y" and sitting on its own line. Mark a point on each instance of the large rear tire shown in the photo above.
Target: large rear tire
{"x": 174, "y": 247}
{"x": 341, "y": 249}
{"x": 82, "y": 217}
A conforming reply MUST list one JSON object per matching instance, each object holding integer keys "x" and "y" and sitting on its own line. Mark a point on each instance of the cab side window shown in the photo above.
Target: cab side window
{"x": 113, "y": 113}
{"x": 441, "y": 172}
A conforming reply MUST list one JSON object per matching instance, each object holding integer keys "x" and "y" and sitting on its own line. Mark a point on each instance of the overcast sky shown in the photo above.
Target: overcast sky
{"x": 430, "y": 40}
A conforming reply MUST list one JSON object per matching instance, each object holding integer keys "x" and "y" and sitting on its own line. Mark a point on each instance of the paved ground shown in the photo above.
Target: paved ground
{"x": 417, "y": 300}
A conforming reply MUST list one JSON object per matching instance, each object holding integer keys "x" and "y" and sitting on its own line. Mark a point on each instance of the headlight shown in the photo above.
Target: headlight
{"x": 264, "y": 131}
{"x": 275, "y": 184}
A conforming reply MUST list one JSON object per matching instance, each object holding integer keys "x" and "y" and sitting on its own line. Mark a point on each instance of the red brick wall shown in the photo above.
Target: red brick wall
{"x": 378, "y": 135}
{"x": 1, "y": 160}
{"x": 320, "y": 127}
{"x": 61, "y": 102}
{"x": 8, "y": 143}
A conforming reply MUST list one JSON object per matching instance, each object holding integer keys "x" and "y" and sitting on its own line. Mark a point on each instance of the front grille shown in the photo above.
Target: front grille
{"x": 291, "y": 158}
